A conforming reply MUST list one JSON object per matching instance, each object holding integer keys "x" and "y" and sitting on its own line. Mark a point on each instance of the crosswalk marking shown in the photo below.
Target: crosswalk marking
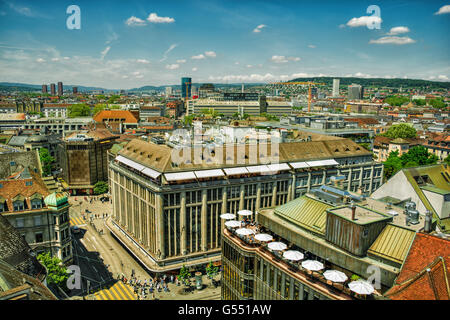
{"x": 119, "y": 291}
{"x": 76, "y": 221}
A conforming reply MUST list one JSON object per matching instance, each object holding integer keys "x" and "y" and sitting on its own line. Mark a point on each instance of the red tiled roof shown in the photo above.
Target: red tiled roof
{"x": 115, "y": 114}
{"x": 425, "y": 274}
{"x": 12, "y": 188}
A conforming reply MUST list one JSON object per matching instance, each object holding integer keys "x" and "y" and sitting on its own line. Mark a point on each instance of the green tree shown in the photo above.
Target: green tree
{"x": 57, "y": 272}
{"x": 396, "y": 100}
{"x": 187, "y": 120}
{"x": 420, "y": 102}
{"x": 392, "y": 165}
{"x": 211, "y": 270}
{"x": 79, "y": 110}
{"x": 99, "y": 107}
{"x": 100, "y": 187}
{"x": 438, "y": 103}
{"x": 401, "y": 131}
{"x": 46, "y": 161}
{"x": 419, "y": 156}
{"x": 447, "y": 160}
{"x": 184, "y": 275}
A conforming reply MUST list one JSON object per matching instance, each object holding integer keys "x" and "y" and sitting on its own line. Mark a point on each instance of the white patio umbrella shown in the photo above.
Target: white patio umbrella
{"x": 245, "y": 231}
{"x": 233, "y": 224}
{"x": 335, "y": 276}
{"x": 245, "y": 213}
{"x": 263, "y": 237}
{"x": 312, "y": 265}
{"x": 228, "y": 216}
{"x": 361, "y": 287}
{"x": 293, "y": 255}
{"x": 277, "y": 246}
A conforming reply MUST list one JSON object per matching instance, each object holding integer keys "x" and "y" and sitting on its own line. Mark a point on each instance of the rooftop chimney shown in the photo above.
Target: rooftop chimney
{"x": 353, "y": 207}
{"x": 428, "y": 221}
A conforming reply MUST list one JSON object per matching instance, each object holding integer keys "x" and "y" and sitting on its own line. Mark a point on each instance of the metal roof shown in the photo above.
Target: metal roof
{"x": 393, "y": 243}
{"x": 209, "y": 173}
{"x": 306, "y": 212}
{"x": 180, "y": 176}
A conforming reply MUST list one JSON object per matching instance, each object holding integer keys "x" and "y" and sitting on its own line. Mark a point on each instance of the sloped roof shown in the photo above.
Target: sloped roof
{"x": 393, "y": 243}
{"x": 305, "y": 212}
{"x": 115, "y": 114}
{"x": 425, "y": 273}
{"x": 159, "y": 157}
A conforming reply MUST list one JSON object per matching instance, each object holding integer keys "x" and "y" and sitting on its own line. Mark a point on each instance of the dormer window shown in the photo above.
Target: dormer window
{"x": 36, "y": 204}
{"x": 18, "y": 205}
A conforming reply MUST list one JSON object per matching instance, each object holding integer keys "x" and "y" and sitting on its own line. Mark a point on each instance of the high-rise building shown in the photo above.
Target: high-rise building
{"x": 169, "y": 91}
{"x": 44, "y": 88}
{"x": 60, "y": 88}
{"x": 186, "y": 84}
{"x": 75, "y": 90}
{"x": 52, "y": 89}
{"x": 355, "y": 92}
{"x": 335, "y": 87}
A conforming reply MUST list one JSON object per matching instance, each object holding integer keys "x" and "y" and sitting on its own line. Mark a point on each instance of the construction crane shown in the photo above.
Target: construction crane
{"x": 309, "y": 84}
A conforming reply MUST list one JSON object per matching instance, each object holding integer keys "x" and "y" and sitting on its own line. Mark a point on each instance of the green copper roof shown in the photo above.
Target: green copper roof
{"x": 305, "y": 212}
{"x": 55, "y": 199}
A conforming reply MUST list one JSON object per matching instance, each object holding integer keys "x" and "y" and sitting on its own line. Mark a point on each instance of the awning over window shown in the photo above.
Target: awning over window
{"x": 180, "y": 176}
{"x": 279, "y": 167}
{"x": 258, "y": 169}
{"x": 147, "y": 171}
{"x": 320, "y": 163}
{"x": 235, "y": 171}
{"x": 299, "y": 165}
{"x": 209, "y": 173}
{"x": 151, "y": 173}
{"x": 130, "y": 163}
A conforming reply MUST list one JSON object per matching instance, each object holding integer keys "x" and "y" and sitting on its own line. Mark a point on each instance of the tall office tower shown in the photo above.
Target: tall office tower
{"x": 186, "y": 84}
{"x": 52, "y": 89}
{"x": 60, "y": 88}
{"x": 169, "y": 91}
{"x": 44, "y": 88}
{"x": 355, "y": 92}
{"x": 335, "y": 87}
{"x": 75, "y": 90}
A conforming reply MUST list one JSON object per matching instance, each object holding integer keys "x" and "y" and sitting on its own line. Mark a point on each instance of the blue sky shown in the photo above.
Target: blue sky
{"x": 126, "y": 44}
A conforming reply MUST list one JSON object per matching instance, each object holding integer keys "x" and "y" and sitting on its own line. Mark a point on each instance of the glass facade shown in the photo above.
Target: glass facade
{"x": 186, "y": 85}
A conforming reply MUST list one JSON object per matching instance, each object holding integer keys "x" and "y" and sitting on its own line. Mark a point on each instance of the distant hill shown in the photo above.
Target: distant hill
{"x": 11, "y": 86}
{"x": 378, "y": 82}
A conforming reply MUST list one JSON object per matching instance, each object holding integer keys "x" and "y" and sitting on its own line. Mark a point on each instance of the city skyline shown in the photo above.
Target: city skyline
{"x": 133, "y": 44}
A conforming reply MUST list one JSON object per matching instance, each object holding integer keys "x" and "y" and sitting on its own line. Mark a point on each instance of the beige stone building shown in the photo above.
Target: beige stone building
{"x": 167, "y": 213}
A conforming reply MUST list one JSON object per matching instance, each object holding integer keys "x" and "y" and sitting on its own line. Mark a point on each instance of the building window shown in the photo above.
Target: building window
{"x": 20, "y": 222}
{"x": 37, "y": 221}
{"x": 38, "y": 237}
{"x": 36, "y": 204}
{"x": 18, "y": 205}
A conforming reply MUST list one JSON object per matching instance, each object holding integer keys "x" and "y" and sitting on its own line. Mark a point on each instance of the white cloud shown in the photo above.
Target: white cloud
{"x": 66, "y": 58}
{"x": 393, "y": 40}
{"x": 135, "y": 21}
{"x": 443, "y": 10}
{"x": 55, "y": 59}
{"x": 283, "y": 59}
{"x": 194, "y": 69}
{"x": 124, "y": 77}
{"x": 210, "y": 54}
{"x": 442, "y": 77}
{"x": 311, "y": 46}
{"x": 154, "y": 18}
{"x": 398, "y": 30}
{"x": 237, "y": 62}
{"x": 136, "y": 73}
{"x": 363, "y": 21}
{"x": 181, "y": 61}
{"x": 172, "y": 66}
{"x": 139, "y": 76}
{"x": 199, "y": 57}
{"x": 105, "y": 52}
{"x": 279, "y": 59}
{"x": 249, "y": 66}
{"x": 144, "y": 61}
{"x": 40, "y": 60}
{"x": 258, "y": 28}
